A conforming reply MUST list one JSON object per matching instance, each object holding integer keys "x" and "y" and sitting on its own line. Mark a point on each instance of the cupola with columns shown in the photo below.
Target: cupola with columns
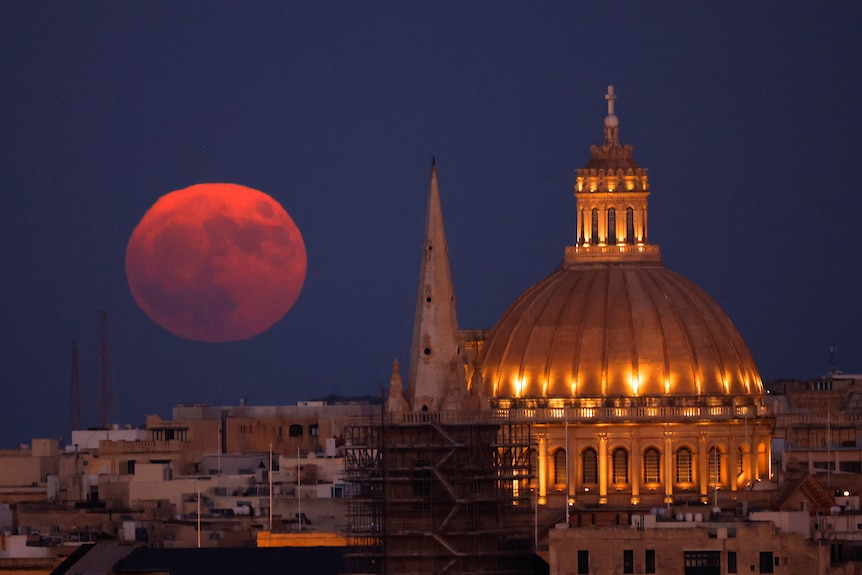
{"x": 611, "y": 193}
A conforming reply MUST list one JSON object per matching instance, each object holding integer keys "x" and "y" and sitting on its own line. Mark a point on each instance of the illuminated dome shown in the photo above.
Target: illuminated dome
{"x": 612, "y": 321}
{"x": 616, "y": 330}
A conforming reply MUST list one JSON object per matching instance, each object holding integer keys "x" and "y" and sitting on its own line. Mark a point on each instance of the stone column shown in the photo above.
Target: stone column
{"x": 702, "y": 466}
{"x": 603, "y": 225}
{"x": 542, "y": 459}
{"x": 572, "y": 467}
{"x": 603, "y": 468}
{"x": 636, "y": 468}
{"x": 732, "y": 456}
{"x": 668, "y": 458}
{"x": 754, "y": 455}
{"x": 645, "y": 237}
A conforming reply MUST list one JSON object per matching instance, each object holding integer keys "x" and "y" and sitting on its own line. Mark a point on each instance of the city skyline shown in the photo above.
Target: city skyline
{"x": 746, "y": 121}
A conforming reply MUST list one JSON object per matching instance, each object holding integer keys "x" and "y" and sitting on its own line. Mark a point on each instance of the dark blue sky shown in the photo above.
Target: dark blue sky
{"x": 748, "y": 119}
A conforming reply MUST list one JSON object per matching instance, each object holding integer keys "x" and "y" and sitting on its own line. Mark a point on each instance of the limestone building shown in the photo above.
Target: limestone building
{"x": 638, "y": 387}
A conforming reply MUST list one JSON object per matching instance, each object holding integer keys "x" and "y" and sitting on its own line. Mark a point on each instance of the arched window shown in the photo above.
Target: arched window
{"x": 740, "y": 461}
{"x": 652, "y": 466}
{"x": 582, "y": 225}
{"x": 590, "y": 466}
{"x": 630, "y": 226}
{"x": 620, "y": 470}
{"x": 560, "y": 467}
{"x": 714, "y": 465}
{"x": 594, "y": 226}
{"x": 612, "y": 226}
{"x": 295, "y": 430}
{"x": 683, "y": 465}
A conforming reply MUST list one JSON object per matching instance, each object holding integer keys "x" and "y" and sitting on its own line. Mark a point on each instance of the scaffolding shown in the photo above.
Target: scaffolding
{"x": 428, "y": 495}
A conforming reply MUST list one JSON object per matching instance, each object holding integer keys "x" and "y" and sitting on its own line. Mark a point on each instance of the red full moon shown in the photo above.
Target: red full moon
{"x": 216, "y": 262}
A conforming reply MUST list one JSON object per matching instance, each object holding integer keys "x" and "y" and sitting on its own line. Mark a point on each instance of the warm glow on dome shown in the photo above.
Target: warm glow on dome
{"x": 617, "y": 331}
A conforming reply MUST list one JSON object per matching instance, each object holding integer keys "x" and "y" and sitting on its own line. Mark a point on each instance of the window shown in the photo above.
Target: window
{"x": 628, "y": 561}
{"x": 683, "y": 465}
{"x": 312, "y": 430}
{"x": 630, "y": 226}
{"x": 766, "y": 562}
{"x": 702, "y": 562}
{"x": 295, "y": 430}
{"x": 740, "y": 461}
{"x": 620, "y": 466}
{"x": 731, "y": 561}
{"x": 714, "y": 466}
{"x": 590, "y": 466}
{"x": 583, "y": 562}
{"x": 649, "y": 561}
{"x": 594, "y": 225}
{"x": 652, "y": 466}
{"x": 612, "y": 226}
{"x": 581, "y": 238}
{"x": 560, "y": 467}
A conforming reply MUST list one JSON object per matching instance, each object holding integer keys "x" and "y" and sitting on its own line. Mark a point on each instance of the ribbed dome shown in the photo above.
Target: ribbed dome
{"x": 610, "y": 329}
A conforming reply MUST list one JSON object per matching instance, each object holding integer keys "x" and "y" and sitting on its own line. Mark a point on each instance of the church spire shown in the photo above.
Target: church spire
{"x": 436, "y": 342}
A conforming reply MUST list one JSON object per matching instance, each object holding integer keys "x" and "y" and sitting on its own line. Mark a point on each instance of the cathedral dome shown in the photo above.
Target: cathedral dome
{"x": 609, "y": 329}
{"x": 612, "y": 321}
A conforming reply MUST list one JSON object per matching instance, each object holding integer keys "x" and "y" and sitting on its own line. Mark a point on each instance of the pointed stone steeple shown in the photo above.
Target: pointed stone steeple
{"x": 435, "y": 325}
{"x": 396, "y": 404}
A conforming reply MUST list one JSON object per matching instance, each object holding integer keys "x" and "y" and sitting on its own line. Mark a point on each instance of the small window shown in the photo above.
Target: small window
{"x": 295, "y": 430}
{"x": 630, "y": 226}
{"x": 628, "y": 561}
{"x": 312, "y": 430}
{"x": 652, "y": 466}
{"x": 714, "y": 464}
{"x": 560, "y": 467}
{"x": 683, "y": 465}
{"x": 620, "y": 469}
{"x": 583, "y": 562}
{"x": 590, "y": 466}
{"x": 649, "y": 561}
{"x": 612, "y": 226}
{"x": 702, "y": 561}
{"x": 731, "y": 561}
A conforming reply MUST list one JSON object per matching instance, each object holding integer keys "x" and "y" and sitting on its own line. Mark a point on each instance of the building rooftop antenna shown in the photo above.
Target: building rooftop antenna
{"x": 105, "y": 382}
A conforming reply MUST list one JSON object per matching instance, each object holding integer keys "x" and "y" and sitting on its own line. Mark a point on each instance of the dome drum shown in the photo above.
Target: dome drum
{"x": 644, "y": 409}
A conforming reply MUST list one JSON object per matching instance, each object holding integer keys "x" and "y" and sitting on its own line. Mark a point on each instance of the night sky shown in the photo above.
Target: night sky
{"x": 748, "y": 120}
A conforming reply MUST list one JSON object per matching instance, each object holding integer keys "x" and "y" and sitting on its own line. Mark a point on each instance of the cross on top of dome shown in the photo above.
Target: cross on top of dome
{"x": 612, "y": 123}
